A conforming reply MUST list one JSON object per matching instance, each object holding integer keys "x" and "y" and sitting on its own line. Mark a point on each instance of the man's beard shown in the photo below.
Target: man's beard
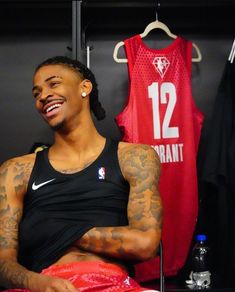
{"x": 58, "y": 126}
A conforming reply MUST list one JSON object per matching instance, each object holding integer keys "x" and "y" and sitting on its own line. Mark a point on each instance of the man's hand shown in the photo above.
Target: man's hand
{"x": 44, "y": 283}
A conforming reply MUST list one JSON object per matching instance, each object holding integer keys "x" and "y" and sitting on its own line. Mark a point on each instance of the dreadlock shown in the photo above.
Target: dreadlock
{"x": 84, "y": 73}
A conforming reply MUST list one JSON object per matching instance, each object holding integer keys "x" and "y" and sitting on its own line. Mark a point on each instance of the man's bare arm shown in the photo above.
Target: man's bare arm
{"x": 12, "y": 188}
{"x": 14, "y": 176}
{"x": 140, "y": 239}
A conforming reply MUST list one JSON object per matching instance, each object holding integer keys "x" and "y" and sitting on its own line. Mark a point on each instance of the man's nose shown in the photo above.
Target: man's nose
{"x": 45, "y": 94}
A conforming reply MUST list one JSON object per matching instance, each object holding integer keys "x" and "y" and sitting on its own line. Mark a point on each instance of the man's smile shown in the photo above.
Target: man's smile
{"x": 52, "y": 107}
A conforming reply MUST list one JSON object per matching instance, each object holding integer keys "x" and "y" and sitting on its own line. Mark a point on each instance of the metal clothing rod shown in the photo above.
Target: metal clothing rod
{"x": 76, "y": 29}
{"x": 157, "y": 9}
{"x": 88, "y": 49}
{"x": 162, "y": 278}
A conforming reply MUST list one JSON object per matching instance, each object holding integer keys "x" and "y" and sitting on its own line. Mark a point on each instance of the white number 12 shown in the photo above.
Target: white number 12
{"x": 166, "y": 88}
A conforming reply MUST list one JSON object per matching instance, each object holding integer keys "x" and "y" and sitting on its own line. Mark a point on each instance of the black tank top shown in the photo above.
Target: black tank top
{"x": 59, "y": 208}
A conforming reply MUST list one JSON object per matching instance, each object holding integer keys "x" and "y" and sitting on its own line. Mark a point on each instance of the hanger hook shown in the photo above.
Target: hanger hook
{"x": 157, "y": 9}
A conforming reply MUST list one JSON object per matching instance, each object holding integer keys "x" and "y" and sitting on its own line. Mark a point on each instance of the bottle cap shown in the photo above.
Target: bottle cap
{"x": 201, "y": 237}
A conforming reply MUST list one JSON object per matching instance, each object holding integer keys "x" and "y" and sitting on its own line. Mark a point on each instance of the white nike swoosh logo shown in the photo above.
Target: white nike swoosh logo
{"x": 35, "y": 187}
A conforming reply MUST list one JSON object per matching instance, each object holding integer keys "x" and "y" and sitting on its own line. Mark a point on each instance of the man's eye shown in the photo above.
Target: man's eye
{"x": 54, "y": 83}
{"x": 36, "y": 94}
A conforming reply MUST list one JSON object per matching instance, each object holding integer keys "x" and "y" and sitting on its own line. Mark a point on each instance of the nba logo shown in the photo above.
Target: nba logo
{"x": 101, "y": 173}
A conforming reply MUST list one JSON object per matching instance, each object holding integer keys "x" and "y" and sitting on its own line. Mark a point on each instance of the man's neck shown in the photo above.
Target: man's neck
{"x": 75, "y": 152}
{"x": 77, "y": 140}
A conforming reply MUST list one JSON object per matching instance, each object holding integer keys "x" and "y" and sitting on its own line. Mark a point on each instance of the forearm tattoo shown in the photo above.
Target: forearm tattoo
{"x": 12, "y": 275}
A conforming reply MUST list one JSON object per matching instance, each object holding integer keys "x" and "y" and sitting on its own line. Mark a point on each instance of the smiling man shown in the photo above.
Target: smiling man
{"x": 77, "y": 215}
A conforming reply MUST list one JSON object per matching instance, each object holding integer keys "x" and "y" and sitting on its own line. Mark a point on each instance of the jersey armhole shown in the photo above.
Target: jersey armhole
{"x": 189, "y": 54}
{"x": 38, "y": 157}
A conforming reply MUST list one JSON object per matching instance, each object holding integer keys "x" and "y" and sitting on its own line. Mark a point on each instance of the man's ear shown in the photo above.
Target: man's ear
{"x": 85, "y": 87}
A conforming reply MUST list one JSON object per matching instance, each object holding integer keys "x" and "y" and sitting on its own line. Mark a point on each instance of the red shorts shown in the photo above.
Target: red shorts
{"x": 92, "y": 277}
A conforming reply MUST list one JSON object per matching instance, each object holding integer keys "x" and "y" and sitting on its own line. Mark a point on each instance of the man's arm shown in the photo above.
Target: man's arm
{"x": 14, "y": 175}
{"x": 11, "y": 197}
{"x": 140, "y": 239}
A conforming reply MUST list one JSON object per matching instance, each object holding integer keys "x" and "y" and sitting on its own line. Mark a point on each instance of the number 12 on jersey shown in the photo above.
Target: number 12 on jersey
{"x": 159, "y": 96}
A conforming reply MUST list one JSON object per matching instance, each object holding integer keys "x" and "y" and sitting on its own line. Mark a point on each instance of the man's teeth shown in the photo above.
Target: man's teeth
{"x": 50, "y": 108}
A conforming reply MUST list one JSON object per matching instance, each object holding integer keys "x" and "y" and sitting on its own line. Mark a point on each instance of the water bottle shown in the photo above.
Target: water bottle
{"x": 200, "y": 274}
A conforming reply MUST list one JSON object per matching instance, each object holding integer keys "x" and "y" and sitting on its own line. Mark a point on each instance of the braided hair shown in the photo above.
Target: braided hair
{"x": 84, "y": 73}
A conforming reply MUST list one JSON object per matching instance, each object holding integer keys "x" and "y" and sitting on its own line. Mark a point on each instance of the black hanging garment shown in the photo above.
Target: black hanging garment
{"x": 217, "y": 179}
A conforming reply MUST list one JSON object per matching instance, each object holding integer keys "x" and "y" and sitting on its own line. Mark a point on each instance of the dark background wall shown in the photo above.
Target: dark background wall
{"x": 34, "y": 30}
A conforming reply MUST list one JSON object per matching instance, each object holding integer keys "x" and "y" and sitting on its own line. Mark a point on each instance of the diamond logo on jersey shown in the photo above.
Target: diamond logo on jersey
{"x": 101, "y": 173}
{"x": 161, "y": 64}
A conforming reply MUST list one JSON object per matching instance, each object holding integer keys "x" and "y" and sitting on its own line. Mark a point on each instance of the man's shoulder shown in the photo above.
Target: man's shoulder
{"x": 27, "y": 158}
{"x": 14, "y": 175}
{"x": 136, "y": 147}
{"x": 137, "y": 152}
{"x": 136, "y": 160}
{"x": 19, "y": 161}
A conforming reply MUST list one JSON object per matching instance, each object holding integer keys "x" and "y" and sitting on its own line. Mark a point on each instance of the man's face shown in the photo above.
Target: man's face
{"x": 57, "y": 92}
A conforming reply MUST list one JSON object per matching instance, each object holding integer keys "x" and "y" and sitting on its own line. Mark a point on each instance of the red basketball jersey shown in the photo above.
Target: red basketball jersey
{"x": 161, "y": 112}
